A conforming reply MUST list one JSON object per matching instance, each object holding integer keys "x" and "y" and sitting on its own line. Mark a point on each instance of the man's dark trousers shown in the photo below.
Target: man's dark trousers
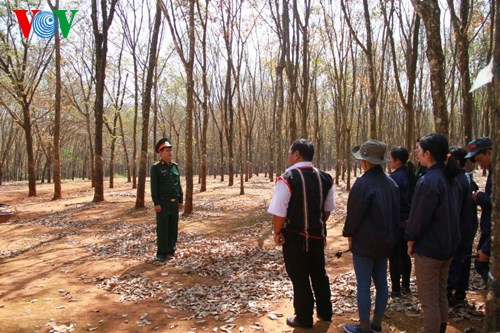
{"x": 306, "y": 268}
{"x": 167, "y": 222}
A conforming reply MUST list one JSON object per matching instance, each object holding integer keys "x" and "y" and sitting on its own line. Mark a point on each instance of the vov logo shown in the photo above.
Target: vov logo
{"x": 45, "y": 24}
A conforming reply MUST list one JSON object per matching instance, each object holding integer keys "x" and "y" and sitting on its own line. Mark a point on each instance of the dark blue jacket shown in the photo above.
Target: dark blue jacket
{"x": 400, "y": 176}
{"x": 483, "y": 199}
{"x": 373, "y": 214}
{"x": 468, "y": 224}
{"x": 434, "y": 223}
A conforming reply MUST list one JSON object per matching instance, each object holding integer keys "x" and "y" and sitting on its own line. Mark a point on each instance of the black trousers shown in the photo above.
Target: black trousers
{"x": 306, "y": 269}
{"x": 400, "y": 264}
{"x": 482, "y": 268}
{"x": 459, "y": 273}
{"x": 167, "y": 223}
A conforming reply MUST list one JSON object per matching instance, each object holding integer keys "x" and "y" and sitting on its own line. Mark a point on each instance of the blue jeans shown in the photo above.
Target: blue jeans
{"x": 367, "y": 269}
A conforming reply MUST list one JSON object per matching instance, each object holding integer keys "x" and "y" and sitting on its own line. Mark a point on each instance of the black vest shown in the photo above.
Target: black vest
{"x": 309, "y": 187}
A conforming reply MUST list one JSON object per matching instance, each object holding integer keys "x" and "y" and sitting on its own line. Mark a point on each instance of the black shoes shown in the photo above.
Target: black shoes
{"x": 163, "y": 256}
{"x": 326, "y": 320}
{"x": 294, "y": 322}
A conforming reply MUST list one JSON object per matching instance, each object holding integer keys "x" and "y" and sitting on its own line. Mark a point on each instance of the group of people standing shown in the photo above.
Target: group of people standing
{"x": 389, "y": 219}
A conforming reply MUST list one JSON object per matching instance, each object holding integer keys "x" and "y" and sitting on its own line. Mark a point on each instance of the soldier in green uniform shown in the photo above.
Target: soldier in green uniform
{"x": 166, "y": 192}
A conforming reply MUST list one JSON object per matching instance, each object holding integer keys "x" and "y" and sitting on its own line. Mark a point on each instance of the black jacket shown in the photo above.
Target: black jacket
{"x": 373, "y": 214}
{"x": 484, "y": 201}
{"x": 400, "y": 176}
{"x": 434, "y": 223}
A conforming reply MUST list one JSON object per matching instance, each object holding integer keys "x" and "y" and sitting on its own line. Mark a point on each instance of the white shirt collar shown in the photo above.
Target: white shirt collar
{"x": 299, "y": 165}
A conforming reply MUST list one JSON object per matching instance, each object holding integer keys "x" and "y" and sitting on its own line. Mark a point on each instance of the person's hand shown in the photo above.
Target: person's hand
{"x": 349, "y": 239}
{"x": 410, "y": 248}
{"x": 181, "y": 206}
{"x": 474, "y": 196}
{"x": 481, "y": 256}
{"x": 279, "y": 239}
{"x": 158, "y": 208}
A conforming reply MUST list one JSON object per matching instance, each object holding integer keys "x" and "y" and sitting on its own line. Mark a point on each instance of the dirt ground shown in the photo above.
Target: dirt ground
{"x": 73, "y": 265}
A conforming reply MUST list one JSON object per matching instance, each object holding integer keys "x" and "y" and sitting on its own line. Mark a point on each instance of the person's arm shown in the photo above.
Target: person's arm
{"x": 483, "y": 199}
{"x": 154, "y": 189}
{"x": 278, "y": 225}
{"x": 357, "y": 204}
{"x": 423, "y": 207}
{"x": 278, "y": 208}
{"x": 410, "y": 248}
{"x": 180, "y": 198}
{"x": 329, "y": 204}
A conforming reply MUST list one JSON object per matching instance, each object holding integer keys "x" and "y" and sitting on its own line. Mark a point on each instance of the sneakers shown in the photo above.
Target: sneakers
{"x": 324, "y": 320}
{"x": 357, "y": 329}
{"x": 376, "y": 329}
{"x": 294, "y": 322}
{"x": 354, "y": 329}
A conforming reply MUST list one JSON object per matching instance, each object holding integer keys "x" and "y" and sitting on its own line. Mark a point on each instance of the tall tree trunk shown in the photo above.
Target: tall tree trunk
{"x": 189, "y": 66}
{"x": 57, "y": 115}
{"x": 305, "y": 66}
{"x": 492, "y": 320}
{"x": 146, "y": 105}
{"x": 460, "y": 26}
{"x": 136, "y": 113}
{"x": 372, "y": 101}
{"x": 221, "y": 143}
{"x": 112, "y": 152}
{"x": 27, "y": 126}
{"x": 101, "y": 50}
{"x": 188, "y": 62}
{"x": 431, "y": 16}
{"x": 125, "y": 150}
{"x": 203, "y": 15}
{"x": 368, "y": 51}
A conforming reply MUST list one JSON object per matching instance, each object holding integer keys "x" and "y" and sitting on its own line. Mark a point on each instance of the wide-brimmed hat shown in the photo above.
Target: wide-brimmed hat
{"x": 162, "y": 143}
{"x": 477, "y": 145}
{"x": 372, "y": 151}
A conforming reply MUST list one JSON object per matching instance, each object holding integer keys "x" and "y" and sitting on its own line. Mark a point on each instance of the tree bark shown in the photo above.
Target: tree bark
{"x": 141, "y": 184}
{"x": 57, "y": 115}
{"x": 368, "y": 51}
{"x": 492, "y": 320}
{"x": 431, "y": 16}
{"x": 101, "y": 50}
{"x": 460, "y": 26}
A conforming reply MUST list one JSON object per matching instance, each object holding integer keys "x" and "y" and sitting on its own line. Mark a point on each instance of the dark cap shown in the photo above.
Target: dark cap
{"x": 162, "y": 143}
{"x": 372, "y": 151}
{"x": 477, "y": 145}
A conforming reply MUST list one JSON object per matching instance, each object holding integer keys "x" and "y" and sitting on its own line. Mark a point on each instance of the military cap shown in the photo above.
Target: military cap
{"x": 477, "y": 145}
{"x": 162, "y": 143}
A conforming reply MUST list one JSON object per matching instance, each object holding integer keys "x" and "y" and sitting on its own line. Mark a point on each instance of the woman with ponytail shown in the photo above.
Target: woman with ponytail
{"x": 433, "y": 230}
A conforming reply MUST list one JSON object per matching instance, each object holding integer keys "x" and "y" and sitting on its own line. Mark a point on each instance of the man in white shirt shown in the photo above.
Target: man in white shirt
{"x": 301, "y": 204}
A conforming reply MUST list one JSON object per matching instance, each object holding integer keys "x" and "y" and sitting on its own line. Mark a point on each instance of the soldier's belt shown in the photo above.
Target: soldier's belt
{"x": 169, "y": 199}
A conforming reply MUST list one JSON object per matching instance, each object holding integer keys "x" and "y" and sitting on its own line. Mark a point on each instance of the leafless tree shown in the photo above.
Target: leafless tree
{"x": 24, "y": 70}
{"x": 187, "y": 58}
{"x": 101, "y": 35}
{"x": 430, "y": 13}
{"x": 146, "y": 104}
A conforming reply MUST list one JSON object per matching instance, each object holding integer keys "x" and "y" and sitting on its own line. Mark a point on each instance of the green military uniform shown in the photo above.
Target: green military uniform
{"x": 166, "y": 191}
